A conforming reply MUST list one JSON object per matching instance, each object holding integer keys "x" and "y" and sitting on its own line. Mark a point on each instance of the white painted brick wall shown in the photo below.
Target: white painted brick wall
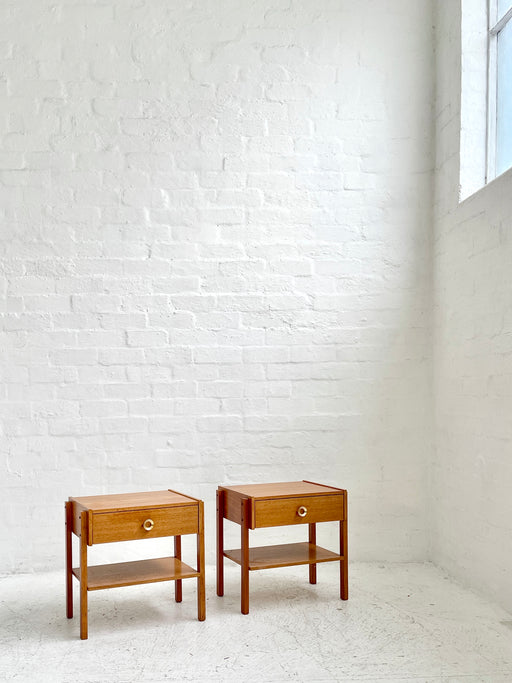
{"x": 472, "y": 476}
{"x": 215, "y": 251}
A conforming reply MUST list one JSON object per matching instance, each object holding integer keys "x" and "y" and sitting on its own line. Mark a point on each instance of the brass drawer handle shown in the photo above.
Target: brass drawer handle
{"x": 302, "y": 511}
{"x": 148, "y": 524}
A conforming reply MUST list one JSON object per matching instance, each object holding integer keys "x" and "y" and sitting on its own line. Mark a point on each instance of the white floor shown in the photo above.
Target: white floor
{"x": 402, "y": 623}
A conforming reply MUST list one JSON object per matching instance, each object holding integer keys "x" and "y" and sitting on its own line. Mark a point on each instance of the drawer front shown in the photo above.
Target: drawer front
{"x": 131, "y": 525}
{"x": 303, "y": 510}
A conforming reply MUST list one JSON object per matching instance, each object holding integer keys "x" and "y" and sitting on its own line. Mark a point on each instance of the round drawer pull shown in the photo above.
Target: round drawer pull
{"x": 148, "y": 524}
{"x": 302, "y": 511}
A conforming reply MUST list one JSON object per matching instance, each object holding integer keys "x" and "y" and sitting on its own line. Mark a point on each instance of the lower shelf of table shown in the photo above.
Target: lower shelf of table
{"x": 137, "y": 572}
{"x": 287, "y": 555}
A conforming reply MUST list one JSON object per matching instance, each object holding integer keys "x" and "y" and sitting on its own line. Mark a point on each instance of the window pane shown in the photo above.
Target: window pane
{"x": 503, "y": 6}
{"x": 504, "y": 101}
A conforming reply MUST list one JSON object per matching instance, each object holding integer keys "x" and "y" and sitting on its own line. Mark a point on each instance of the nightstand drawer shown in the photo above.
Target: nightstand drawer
{"x": 302, "y": 510}
{"x": 131, "y": 525}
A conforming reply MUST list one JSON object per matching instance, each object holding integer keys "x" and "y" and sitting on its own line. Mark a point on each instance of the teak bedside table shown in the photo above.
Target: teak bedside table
{"x": 126, "y": 517}
{"x": 255, "y": 506}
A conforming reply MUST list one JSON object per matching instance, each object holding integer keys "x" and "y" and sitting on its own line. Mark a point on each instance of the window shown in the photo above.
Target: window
{"x": 474, "y": 158}
{"x": 499, "y": 125}
{"x": 486, "y": 93}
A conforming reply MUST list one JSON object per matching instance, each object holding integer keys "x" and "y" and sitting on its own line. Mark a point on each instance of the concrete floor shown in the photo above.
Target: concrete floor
{"x": 402, "y": 623}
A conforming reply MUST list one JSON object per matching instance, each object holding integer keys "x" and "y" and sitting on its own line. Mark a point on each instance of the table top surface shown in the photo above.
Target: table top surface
{"x": 282, "y": 489}
{"x": 131, "y": 501}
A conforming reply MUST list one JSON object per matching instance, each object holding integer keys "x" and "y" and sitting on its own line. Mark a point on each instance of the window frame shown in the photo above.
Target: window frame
{"x": 495, "y": 24}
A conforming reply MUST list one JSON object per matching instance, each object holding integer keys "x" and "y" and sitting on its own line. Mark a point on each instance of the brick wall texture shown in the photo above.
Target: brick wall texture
{"x": 472, "y": 469}
{"x": 215, "y": 249}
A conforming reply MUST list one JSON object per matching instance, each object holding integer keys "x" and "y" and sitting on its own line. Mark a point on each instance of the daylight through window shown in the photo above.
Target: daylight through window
{"x": 500, "y": 87}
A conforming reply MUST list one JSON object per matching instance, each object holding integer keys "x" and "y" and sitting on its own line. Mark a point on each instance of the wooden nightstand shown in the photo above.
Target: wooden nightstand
{"x": 264, "y": 505}
{"x": 127, "y": 517}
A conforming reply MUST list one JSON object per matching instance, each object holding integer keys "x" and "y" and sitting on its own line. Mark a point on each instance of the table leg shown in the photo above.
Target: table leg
{"x": 344, "y": 553}
{"x": 178, "y": 594}
{"x": 312, "y": 539}
{"x": 83, "y": 577}
{"x": 69, "y": 560}
{"x": 201, "y": 592}
{"x": 245, "y": 556}
{"x": 220, "y": 543}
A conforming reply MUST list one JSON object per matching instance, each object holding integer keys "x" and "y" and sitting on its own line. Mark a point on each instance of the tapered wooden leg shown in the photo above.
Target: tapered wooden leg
{"x": 178, "y": 594}
{"x": 312, "y": 539}
{"x": 344, "y": 552}
{"x": 69, "y": 561}
{"x": 201, "y": 592}
{"x": 220, "y": 543}
{"x": 245, "y": 557}
{"x": 83, "y": 577}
